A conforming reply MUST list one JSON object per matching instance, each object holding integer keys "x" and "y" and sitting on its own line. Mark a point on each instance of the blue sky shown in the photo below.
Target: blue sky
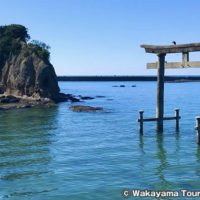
{"x": 103, "y": 37}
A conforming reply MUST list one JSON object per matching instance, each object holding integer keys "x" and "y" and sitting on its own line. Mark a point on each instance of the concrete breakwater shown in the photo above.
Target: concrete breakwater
{"x": 128, "y": 78}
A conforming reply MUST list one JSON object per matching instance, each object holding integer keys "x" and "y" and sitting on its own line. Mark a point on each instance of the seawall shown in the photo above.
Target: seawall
{"x": 128, "y": 78}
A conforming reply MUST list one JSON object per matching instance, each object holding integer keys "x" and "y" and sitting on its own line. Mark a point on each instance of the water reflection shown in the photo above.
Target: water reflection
{"x": 177, "y": 136}
{"x": 198, "y": 154}
{"x": 141, "y": 144}
{"x": 161, "y": 155}
{"x": 25, "y": 141}
{"x": 198, "y": 161}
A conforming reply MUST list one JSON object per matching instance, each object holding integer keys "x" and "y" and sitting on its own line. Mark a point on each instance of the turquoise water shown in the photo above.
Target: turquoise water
{"x": 54, "y": 153}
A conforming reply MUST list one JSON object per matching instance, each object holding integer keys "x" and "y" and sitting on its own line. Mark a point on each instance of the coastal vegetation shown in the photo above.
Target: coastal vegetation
{"x": 12, "y": 40}
{"x": 40, "y": 48}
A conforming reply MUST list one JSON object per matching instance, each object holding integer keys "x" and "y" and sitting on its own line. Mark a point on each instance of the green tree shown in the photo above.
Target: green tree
{"x": 41, "y": 49}
{"x": 10, "y": 37}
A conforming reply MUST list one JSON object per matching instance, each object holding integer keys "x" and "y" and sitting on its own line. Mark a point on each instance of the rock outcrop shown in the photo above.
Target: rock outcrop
{"x": 30, "y": 76}
{"x": 27, "y": 78}
{"x": 25, "y": 69}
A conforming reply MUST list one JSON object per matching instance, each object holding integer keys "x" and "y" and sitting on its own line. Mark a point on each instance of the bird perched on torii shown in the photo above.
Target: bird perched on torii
{"x": 174, "y": 42}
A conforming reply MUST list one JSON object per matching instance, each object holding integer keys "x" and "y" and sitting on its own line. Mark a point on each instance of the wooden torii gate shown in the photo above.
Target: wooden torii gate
{"x": 161, "y": 52}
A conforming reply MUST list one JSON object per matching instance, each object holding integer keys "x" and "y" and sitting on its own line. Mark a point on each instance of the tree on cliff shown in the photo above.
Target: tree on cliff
{"x": 11, "y": 39}
{"x": 14, "y": 31}
{"x": 41, "y": 49}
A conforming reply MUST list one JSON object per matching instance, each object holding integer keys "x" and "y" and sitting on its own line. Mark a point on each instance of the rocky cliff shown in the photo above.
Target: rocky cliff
{"x": 29, "y": 75}
{"x": 25, "y": 69}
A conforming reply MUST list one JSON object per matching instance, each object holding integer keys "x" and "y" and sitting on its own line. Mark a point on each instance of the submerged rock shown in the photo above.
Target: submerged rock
{"x": 74, "y": 99}
{"x": 100, "y": 96}
{"x": 80, "y": 108}
{"x": 86, "y": 98}
{"x": 67, "y": 97}
{"x": 118, "y": 86}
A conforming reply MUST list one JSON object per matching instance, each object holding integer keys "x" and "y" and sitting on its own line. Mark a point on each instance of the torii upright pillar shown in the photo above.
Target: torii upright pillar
{"x": 160, "y": 92}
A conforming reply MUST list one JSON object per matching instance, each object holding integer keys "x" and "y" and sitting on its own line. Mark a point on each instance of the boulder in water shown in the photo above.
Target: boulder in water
{"x": 81, "y": 108}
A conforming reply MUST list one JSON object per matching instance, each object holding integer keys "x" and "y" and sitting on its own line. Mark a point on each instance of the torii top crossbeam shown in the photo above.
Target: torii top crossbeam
{"x": 180, "y": 48}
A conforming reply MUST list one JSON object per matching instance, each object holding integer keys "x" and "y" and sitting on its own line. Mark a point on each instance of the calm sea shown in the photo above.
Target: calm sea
{"x": 57, "y": 154}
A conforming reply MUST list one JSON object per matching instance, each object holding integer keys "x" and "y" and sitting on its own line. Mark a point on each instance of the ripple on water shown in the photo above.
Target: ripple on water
{"x": 53, "y": 153}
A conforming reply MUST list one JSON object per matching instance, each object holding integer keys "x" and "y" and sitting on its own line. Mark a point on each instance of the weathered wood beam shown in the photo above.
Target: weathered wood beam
{"x": 185, "y": 57}
{"x": 171, "y": 118}
{"x": 172, "y": 65}
{"x": 155, "y": 119}
{"x": 172, "y": 48}
{"x": 160, "y": 92}
{"x": 147, "y": 119}
{"x": 198, "y": 129}
{"x": 141, "y": 121}
{"x": 177, "y": 116}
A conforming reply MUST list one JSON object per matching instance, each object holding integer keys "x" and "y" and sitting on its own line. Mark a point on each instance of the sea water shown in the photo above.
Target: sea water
{"x": 56, "y": 154}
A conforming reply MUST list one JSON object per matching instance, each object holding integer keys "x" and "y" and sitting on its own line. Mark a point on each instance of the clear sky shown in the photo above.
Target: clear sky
{"x": 103, "y": 37}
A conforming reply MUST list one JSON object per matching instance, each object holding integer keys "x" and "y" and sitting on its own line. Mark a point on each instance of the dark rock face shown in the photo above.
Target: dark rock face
{"x": 29, "y": 75}
{"x": 80, "y": 108}
{"x": 67, "y": 97}
{"x": 9, "y": 99}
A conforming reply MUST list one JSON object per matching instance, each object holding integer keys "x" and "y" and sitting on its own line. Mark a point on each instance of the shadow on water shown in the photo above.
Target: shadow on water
{"x": 25, "y": 140}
